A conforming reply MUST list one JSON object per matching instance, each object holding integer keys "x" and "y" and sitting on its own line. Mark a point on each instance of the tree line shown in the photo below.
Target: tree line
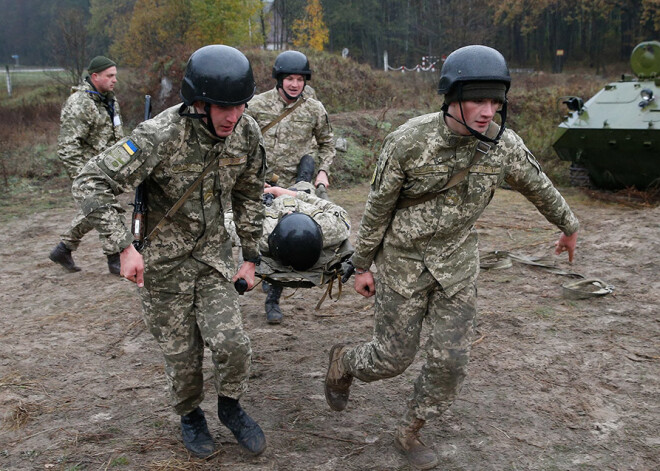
{"x": 157, "y": 33}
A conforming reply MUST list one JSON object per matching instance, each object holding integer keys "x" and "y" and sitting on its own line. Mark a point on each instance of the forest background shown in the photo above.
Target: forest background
{"x": 528, "y": 33}
{"x": 151, "y": 41}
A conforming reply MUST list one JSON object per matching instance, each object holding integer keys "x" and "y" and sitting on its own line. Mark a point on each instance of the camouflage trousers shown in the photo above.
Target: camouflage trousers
{"x": 396, "y": 340}
{"x": 77, "y": 229}
{"x": 194, "y": 306}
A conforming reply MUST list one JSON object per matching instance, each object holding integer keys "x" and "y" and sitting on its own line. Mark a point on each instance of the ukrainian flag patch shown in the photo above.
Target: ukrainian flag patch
{"x": 120, "y": 155}
{"x": 130, "y": 147}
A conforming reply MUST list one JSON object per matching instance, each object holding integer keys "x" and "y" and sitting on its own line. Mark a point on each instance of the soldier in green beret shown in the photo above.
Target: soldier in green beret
{"x": 435, "y": 176}
{"x": 90, "y": 122}
{"x": 185, "y": 274}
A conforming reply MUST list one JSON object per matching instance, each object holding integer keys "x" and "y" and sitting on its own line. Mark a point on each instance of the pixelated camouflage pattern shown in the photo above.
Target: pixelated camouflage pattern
{"x": 438, "y": 235}
{"x": 398, "y": 323}
{"x": 80, "y": 226}
{"x": 335, "y": 225}
{"x": 188, "y": 298}
{"x": 86, "y": 128}
{"x": 333, "y": 219}
{"x": 192, "y": 307}
{"x": 172, "y": 151}
{"x": 293, "y": 136}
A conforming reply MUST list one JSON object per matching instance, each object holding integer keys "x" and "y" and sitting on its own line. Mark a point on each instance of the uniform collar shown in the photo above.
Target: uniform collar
{"x": 283, "y": 101}
{"x": 451, "y": 138}
{"x": 206, "y": 137}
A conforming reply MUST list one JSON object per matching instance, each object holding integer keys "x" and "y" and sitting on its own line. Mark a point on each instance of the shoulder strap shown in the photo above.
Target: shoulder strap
{"x": 154, "y": 232}
{"x": 480, "y": 150}
{"x": 283, "y": 115}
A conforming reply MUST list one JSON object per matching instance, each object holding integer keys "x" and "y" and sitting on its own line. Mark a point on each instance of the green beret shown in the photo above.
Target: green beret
{"x": 99, "y": 63}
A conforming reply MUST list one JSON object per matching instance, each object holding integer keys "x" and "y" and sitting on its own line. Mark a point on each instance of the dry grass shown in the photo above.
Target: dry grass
{"x": 631, "y": 197}
{"x": 21, "y": 415}
{"x": 365, "y": 105}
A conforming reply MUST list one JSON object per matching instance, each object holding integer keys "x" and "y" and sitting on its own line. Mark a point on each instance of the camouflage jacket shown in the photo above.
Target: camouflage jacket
{"x": 333, "y": 219}
{"x": 293, "y": 136}
{"x": 86, "y": 128}
{"x": 168, "y": 153}
{"x": 437, "y": 237}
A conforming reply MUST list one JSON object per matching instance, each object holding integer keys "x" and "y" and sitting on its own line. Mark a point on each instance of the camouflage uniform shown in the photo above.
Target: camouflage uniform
{"x": 90, "y": 123}
{"x": 427, "y": 254}
{"x": 292, "y": 137}
{"x": 333, "y": 219}
{"x": 188, "y": 299}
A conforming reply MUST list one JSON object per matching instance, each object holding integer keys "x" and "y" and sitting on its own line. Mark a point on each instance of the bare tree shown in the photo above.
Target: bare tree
{"x": 69, "y": 42}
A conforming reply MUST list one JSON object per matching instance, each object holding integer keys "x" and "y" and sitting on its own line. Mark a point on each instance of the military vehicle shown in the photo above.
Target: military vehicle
{"x": 613, "y": 140}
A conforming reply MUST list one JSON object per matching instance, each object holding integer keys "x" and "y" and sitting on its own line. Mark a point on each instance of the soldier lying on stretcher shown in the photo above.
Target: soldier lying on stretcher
{"x": 303, "y": 237}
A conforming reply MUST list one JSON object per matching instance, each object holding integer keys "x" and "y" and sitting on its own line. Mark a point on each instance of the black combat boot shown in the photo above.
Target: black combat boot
{"x": 273, "y": 311}
{"x": 62, "y": 256}
{"x": 305, "y": 169}
{"x": 247, "y": 432}
{"x": 195, "y": 433}
{"x": 113, "y": 264}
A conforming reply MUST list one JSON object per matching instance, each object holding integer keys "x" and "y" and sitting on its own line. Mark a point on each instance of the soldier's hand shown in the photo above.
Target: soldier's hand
{"x": 132, "y": 265}
{"x": 364, "y": 284}
{"x": 567, "y": 244}
{"x": 322, "y": 179}
{"x": 246, "y": 271}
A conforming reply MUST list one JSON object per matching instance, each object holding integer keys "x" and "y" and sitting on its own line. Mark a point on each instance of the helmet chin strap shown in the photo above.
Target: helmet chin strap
{"x": 279, "y": 86}
{"x": 474, "y": 132}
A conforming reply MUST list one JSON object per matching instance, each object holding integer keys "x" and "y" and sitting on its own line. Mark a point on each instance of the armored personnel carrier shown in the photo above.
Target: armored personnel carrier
{"x": 613, "y": 140}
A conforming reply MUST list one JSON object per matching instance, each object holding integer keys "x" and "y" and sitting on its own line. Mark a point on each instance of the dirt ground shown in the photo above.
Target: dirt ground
{"x": 554, "y": 384}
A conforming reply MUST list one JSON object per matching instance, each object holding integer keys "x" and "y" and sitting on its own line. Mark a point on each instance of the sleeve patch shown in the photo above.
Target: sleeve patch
{"x": 120, "y": 155}
{"x": 225, "y": 161}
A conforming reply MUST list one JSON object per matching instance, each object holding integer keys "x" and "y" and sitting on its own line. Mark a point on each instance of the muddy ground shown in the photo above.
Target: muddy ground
{"x": 554, "y": 383}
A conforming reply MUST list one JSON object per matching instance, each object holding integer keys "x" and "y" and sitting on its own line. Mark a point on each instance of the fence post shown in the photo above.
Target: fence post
{"x": 8, "y": 80}
{"x": 385, "y": 64}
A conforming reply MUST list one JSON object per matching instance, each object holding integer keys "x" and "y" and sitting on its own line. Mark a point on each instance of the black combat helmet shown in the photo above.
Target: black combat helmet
{"x": 296, "y": 241}
{"x": 472, "y": 73}
{"x": 473, "y": 64}
{"x": 218, "y": 75}
{"x": 290, "y": 63}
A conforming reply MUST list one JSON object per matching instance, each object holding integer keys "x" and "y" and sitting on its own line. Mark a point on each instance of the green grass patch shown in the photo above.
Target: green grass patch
{"x": 28, "y": 195}
{"x": 544, "y": 312}
{"x": 119, "y": 461}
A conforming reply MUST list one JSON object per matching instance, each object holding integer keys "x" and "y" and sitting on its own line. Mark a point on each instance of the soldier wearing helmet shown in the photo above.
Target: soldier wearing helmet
{"x": 435, "y": 176}
{"x": 297, "y": 133}
{"x": 290, "y": 143}
{"x": 298, "y": 228}
{"x": 184, "y": 276}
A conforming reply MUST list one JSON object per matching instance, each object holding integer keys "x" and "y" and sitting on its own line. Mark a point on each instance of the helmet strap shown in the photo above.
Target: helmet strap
{"x": 280, "y": 86}
{"x": 207, "y": 109}
{"x": 474, "y": 132}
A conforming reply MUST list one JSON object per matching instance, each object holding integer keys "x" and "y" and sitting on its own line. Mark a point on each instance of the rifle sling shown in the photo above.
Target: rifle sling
{"x": 480, "y": 151}
{"x": 283, "y": 115}
{"x": 154, "y": 232}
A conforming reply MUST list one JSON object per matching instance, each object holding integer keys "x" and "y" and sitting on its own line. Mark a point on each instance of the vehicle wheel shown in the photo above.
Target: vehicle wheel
{"x": 579, "y": 176}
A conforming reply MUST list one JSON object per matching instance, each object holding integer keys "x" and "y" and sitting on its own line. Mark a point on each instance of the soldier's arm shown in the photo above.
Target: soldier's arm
{"x": 74, "y": 131}
{"x": 325, "y": 140}
{"x": 525, "y": 175}
{"x": 246, "y": 197}
{"x": 119, "y": 168}
{"x": 381, "y": 204}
